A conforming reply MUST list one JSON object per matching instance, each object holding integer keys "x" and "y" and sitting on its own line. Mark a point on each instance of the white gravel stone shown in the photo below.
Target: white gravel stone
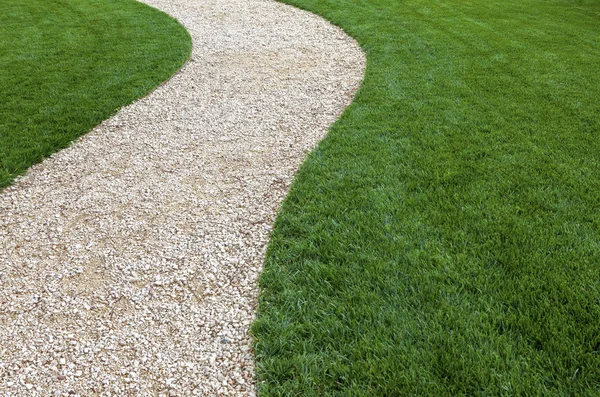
{"x": 128, "y": 262}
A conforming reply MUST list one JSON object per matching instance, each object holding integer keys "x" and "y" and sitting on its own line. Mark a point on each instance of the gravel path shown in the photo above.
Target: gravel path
{"x": 128, "y": 262}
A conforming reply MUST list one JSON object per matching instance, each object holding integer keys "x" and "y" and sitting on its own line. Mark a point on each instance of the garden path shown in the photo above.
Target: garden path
{"x": 129, "y": 261}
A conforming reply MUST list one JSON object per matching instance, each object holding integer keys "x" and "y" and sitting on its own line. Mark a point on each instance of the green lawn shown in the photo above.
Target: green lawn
{"x": 444, "y": 240}
{"x": 66, "y": 65}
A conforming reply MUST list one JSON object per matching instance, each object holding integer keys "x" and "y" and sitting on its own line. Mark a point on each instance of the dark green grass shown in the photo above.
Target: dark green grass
{"x": 444, "y": 239}
{"x": 66, "y": 65}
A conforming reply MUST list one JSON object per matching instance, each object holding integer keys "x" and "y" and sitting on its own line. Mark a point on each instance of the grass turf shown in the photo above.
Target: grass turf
{"x": 444, "y": 239}
{"x": 66, "y": 65}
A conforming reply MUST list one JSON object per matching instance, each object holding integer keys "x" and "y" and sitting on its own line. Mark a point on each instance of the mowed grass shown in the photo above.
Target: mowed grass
{"x": 66, "y": 65}
{"x": 444, "y": 239}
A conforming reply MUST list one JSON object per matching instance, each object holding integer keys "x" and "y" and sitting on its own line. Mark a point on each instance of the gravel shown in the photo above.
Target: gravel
{"x": 128, "y": 262}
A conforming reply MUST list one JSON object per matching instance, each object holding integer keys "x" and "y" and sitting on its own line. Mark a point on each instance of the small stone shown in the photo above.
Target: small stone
{"x": 170, "y": 381}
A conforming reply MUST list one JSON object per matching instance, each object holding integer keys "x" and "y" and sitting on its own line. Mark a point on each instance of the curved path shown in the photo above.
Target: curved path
{"x": 128, "y": 262}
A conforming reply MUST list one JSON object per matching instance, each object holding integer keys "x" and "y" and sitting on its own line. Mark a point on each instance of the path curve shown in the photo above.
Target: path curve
{"x": 128, "y": 262}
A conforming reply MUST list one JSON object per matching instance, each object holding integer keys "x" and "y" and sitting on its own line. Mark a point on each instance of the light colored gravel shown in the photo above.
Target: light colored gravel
{"x": 128, "y": 262}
